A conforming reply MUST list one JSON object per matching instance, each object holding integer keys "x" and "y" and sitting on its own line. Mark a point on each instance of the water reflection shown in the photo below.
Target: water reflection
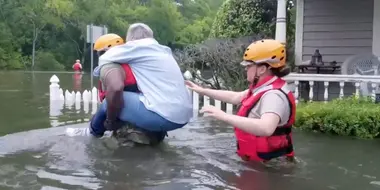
{"x": 199, "y": 156}
{"x": 91, "y": 163}
{"x": 35, "y": 155}
{"x": 59, "y": 108}
{"x": 77, "y": 81}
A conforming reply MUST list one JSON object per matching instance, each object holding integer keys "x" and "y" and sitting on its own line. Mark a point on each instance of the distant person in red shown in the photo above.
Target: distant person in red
{"x": 77, "y": 66}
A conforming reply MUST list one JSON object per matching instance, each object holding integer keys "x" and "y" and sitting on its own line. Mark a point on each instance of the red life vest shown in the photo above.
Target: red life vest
{"x": 257, "y": 148}
{"x": 77, "y": 67}
{"x": 129, "y": 82}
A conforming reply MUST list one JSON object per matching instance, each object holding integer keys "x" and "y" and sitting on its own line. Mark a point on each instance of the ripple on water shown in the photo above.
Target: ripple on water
{"x": 377, "y": 183}
{"x": 88, "y": 182}
{"x": 199, "y": 156}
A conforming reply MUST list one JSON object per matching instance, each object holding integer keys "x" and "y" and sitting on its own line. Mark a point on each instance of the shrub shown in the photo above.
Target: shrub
{"x": 347, "y": 117}
{"x": 45, "y": 61}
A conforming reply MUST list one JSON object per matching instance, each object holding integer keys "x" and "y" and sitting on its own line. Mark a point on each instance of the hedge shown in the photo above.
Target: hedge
{"x": 358, "y": 117}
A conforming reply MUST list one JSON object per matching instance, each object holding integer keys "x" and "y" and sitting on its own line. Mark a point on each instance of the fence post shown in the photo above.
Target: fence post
{"x": 94, "y": 94}
{"x": 54, "y": 88}
{"x": 56, "y": 103}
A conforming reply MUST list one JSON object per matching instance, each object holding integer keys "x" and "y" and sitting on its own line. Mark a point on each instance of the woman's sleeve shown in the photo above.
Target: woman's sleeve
{"x": 276, "y": 102}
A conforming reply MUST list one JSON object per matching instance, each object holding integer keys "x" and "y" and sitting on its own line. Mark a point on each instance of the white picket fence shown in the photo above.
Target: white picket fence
{"x": 87, "y": 99}
{"x": 60, "y": 99}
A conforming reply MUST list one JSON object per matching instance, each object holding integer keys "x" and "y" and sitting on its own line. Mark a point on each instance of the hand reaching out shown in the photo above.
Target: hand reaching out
{"x": 193, "y": 86}
{"x": 214, "y": 112}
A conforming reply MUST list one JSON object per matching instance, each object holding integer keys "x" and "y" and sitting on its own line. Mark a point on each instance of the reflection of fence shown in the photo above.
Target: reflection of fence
{"x": 69, "y": 100}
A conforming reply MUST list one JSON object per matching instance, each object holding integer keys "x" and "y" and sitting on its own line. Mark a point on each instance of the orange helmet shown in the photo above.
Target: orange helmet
{"x": 269, "y": 51}
{"x": 107, "y": 41}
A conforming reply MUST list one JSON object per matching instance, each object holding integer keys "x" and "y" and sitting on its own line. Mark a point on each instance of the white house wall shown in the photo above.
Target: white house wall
{"x": 376, "y": 28}
{"x": 338, "y": 28}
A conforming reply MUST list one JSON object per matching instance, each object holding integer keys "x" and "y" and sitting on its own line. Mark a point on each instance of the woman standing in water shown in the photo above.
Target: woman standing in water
{"x": 77, "y": 67}
{"x": 267, "y": 108}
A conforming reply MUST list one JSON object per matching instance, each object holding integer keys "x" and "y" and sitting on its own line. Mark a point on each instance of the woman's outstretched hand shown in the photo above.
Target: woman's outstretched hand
{"x": 213, "y": 111}
{"x": 193, "y": 86}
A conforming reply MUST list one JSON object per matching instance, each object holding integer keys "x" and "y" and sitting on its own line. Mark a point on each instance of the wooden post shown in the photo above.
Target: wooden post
{"x": 54, "y": 88}
{"x": 281, "y": 21}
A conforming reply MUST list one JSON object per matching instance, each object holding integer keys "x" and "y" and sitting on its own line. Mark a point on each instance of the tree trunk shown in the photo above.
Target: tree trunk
{"x": 34, "y": 46}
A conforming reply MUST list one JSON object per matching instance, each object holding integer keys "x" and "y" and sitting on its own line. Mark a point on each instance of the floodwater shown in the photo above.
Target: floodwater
{"x": 35, "y": 153}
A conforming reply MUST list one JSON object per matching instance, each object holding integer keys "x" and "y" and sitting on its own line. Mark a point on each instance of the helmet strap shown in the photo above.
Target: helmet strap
{"x": 256, "y": 78}
{"x": 257, "y": 75}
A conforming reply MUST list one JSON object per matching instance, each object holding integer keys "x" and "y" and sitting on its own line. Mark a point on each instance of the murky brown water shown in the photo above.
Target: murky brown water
{"x": 36, "y": 155}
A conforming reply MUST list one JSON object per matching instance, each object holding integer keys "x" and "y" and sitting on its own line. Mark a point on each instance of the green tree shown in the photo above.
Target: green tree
{"x": 196, "y": 32}
{"x": 236, "y": 25}
{"x": 37, "y": 15}
{"x": 46, "y": 62}
{"x": 10, "y": 58}
{"x": 198, "y": 19}
{"x": 34, "y": 31}
{"x": 237, "y": 18}
{"x": 244, "y": 17}
{"x": 164, "y": 18}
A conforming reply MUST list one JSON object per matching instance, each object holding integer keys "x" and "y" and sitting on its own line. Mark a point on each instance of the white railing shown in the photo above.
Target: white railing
{"x": 89, "y": 98}
{"x": 60, "y": 99}
{"x": 358, "y": 80}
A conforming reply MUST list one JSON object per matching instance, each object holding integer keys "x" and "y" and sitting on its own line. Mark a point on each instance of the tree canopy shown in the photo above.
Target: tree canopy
{"x": 245, "y": 17}
{"x": 236, "y": 25}
{"x": 55, "y": 30}
{"x": 237, "y": 18}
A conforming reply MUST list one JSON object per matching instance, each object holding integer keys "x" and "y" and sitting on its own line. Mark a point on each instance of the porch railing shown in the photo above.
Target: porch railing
{"x": 359, "y": 82}
{"x": 299, "y": 83}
